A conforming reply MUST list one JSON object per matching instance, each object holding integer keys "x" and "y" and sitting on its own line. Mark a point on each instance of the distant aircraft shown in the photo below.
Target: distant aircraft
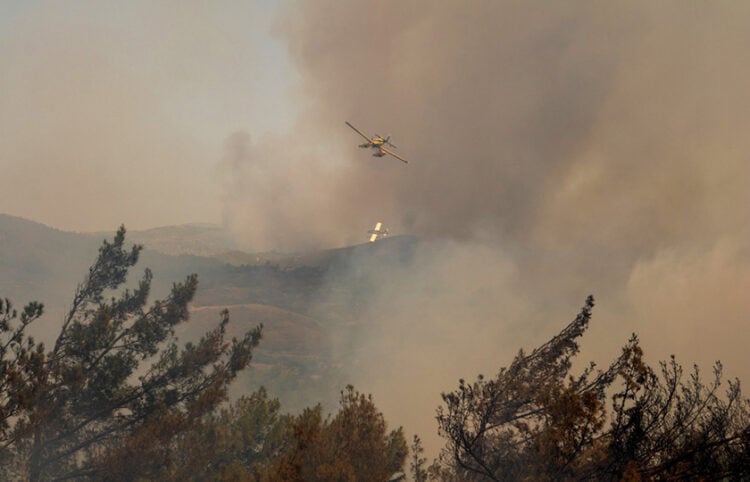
{"x": 377, "y": 142}
{"x": 378, "y": 232}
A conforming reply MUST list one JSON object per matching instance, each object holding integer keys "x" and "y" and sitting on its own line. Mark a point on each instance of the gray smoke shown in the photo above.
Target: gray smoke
{"x": 555, "y": 150}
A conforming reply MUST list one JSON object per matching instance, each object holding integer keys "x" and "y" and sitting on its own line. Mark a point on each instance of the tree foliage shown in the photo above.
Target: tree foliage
{"x": 117, "y": 398}
{"x": 351, "y": 446}
{"x": 238, "y": 442}
{"x": 418, "y": 462}
{"x": 116, "y": 387}
{"x": 21, "y": 366}
{"x": 534, "y": 421}
{"x": 252, "y": 440}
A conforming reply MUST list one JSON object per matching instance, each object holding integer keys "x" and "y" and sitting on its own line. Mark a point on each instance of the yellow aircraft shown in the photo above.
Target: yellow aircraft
{"x": 377, "y": 142}
{"x": 378, "y": 232}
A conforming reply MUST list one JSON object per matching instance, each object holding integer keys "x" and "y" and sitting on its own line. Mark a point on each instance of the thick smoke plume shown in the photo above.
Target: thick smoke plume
{"x": 556, "y": 150}
{"x": 561, "y": 149}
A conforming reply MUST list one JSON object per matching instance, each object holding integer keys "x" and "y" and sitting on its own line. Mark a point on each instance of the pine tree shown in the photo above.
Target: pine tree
{"x": 115, "y": 387}
{"x": 535, "y": 421}
{"x": 417, "y": 466}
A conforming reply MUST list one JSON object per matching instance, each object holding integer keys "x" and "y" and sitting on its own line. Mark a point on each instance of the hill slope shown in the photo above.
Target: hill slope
{"x": 307, "y": 302}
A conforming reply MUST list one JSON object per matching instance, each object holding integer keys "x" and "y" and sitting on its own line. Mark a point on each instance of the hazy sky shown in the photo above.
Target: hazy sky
{"x": 556, "y": 149}
{"x": 116, "y": 112}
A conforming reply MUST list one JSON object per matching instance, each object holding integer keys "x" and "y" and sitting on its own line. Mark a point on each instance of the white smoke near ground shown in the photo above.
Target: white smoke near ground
{"x": 455, "y": 311}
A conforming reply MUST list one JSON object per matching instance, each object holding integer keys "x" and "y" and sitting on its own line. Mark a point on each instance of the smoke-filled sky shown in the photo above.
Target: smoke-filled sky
{"x": 116, "y": 112}
{"x": 555, "y": 148}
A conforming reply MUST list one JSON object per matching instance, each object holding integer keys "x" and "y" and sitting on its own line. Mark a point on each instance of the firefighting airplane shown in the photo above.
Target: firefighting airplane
{"x": 377, "y": 142}
{"x": 378, "y": 232}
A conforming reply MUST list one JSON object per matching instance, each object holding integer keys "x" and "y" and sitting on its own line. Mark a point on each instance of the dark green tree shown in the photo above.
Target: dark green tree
{"x": 22, "y": 363}
{"x": 115, "y": 389}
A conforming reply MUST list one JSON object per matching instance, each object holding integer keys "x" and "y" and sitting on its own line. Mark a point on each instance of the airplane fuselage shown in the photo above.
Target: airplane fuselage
{"x": 376, "y": 142}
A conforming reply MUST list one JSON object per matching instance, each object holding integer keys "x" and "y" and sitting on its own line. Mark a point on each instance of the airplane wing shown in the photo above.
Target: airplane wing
{"x": 394, "y": 155}
{"x": 358, "y": 131}
{"x": 375, "y": 232}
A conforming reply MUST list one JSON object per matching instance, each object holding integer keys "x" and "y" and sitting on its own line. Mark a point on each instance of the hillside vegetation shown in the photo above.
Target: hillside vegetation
{"x": 128, "y": 388}
{"x": 306, "y": 301}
